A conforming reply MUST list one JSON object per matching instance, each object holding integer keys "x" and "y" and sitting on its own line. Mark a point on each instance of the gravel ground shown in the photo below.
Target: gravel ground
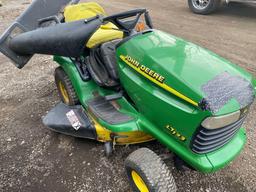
{"x": 36, "y": 159}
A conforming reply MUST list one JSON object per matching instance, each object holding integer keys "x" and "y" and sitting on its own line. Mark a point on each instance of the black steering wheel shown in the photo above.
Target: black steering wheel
{"x": 122, "y": 22}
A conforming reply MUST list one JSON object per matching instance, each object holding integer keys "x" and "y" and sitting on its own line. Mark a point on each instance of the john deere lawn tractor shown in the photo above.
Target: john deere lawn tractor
{"x": 123, "y": 82}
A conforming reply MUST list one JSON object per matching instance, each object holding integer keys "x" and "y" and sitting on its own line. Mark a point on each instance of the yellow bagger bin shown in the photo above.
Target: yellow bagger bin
{"x": 105, "y": 33}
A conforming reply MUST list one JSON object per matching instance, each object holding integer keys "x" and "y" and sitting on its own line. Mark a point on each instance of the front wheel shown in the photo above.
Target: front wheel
{"x": 203, "y": 7}
{"x": 148, "y": 173}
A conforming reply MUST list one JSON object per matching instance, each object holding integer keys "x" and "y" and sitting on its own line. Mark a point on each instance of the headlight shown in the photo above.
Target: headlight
{"x": 221, "y": 121}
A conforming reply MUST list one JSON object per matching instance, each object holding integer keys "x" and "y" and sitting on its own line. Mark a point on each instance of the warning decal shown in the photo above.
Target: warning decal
{"x": 74, "y": 121}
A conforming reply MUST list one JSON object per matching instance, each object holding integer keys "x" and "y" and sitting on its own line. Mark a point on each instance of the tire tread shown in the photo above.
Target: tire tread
{"x": 159, "y": 177}
{"x": 60, "y": 75}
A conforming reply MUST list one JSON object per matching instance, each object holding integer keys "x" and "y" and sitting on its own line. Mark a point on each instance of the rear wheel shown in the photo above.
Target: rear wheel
{"x": 204, "y": 7}
{"x": 65, "y": 88}
{"x": 148, "y": 173}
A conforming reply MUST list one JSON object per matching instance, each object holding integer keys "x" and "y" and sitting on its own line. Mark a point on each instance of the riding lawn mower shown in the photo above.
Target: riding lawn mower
{"x": 123, "y": 82}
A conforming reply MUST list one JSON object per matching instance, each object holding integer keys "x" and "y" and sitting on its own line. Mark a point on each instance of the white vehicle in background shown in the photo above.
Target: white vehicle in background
{"x": 205, "y": 7}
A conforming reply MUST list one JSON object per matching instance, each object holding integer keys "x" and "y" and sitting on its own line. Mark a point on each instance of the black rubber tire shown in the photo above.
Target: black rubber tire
{"x": 61, "y": 76}
{"x": 153, "y": 171}
{"x": 212, "y": 7}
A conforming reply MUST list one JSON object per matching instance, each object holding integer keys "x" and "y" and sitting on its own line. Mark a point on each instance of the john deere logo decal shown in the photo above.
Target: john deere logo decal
{"x": 145, "y": 69}
{"x": 154, "y": 77}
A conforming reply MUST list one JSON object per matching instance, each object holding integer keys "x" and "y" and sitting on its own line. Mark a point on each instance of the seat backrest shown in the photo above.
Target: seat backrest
{"x": 88, "y": 10}
{"x": 108, "y": 55}
{"x": 103, "y": 66}
{"x": 83, "y": 11}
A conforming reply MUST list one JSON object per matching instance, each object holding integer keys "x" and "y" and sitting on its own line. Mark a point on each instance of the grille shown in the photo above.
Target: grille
{"x": 207, "y": 140}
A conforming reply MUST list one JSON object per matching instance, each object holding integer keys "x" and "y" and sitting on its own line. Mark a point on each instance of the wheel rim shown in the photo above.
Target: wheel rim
{"x": 140, "y": 184}
{"x": 200, "y": 4}
{"x": 63, "y": 92}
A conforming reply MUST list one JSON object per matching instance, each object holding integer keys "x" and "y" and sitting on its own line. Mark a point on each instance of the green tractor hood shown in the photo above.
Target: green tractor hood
{"x": 188, "y": 71}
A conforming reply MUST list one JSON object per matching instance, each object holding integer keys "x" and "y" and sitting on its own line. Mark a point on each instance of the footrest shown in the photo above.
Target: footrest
{"x": 104, "y": 110}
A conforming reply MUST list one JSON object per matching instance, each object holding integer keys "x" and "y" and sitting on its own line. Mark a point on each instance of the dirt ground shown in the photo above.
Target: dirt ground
{"x": 32, "y": 158}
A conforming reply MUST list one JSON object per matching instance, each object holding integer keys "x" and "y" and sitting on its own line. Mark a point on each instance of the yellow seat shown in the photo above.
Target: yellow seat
{"x": 87, "y": 10}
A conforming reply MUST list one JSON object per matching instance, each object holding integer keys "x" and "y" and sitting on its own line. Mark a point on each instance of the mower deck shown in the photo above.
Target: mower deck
{"x": 70, "y": 120}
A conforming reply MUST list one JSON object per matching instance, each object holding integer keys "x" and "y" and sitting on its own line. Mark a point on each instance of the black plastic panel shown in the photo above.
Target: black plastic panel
{"x": 70, "y": 120}
{"x": 208, "y": 140}
{"x": 12, "y": 31}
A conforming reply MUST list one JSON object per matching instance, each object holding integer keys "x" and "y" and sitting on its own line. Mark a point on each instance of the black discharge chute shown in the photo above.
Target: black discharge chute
{"x": 65, "y": 39}
{"x": 30, "y": 20}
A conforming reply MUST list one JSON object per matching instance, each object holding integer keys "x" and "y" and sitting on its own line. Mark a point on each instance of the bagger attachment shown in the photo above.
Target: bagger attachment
{"x": 25, "y": 37}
